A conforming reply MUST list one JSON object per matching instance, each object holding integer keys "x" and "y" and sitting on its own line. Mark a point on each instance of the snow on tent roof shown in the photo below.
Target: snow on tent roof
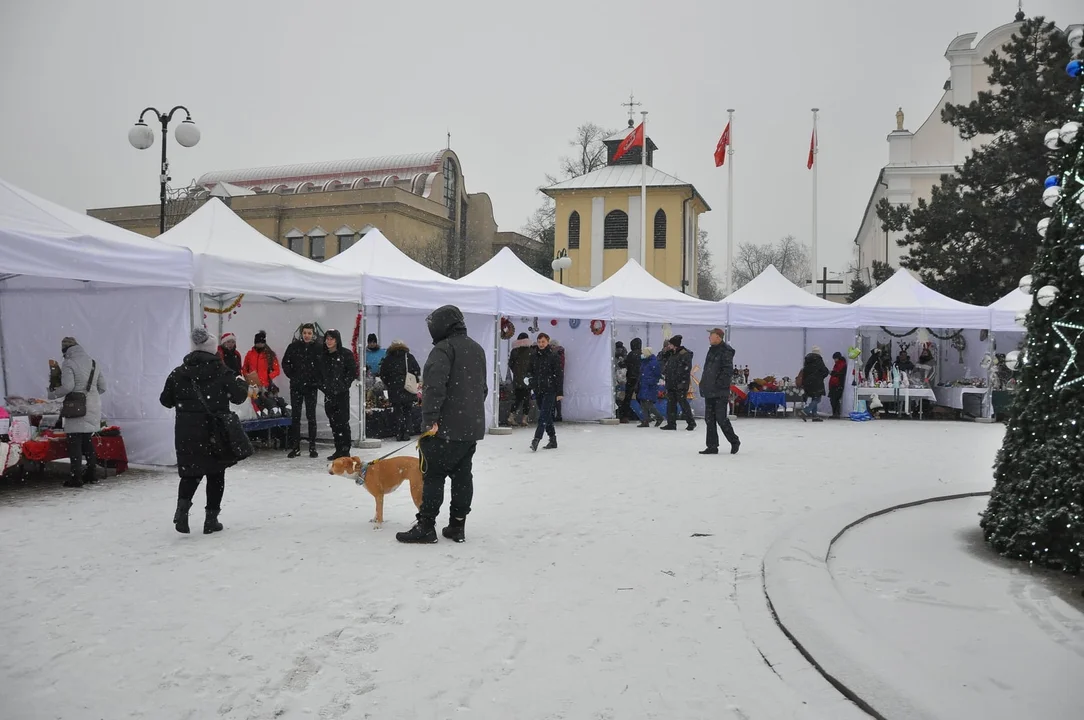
{"x": 39, "y": 238}
{"x": 522, "y": 291}
{"x": 771, "y": 300}
{"x": 640, "y": 297}
{"x": 903, "y": 301}
{"x": 1004, "y": 311}
{"x": 232, "y": 256}
{"x": 391, "y": 278}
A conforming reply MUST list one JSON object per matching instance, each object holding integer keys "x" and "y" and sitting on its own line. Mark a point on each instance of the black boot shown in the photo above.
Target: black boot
{"x": 76, "y": 479}
{"x": 534, "y": 444}
{"x": 89, "y": 475}
{"x": 659, "y": 421}
{"x": 454, "y": 531}
{"x": 423, "y": 532}
{"x": 180, "y": 518}
{"x": 734, "y": 445}
{"x": 211, "y": 523}
{"x": 312, "y": 451}
{"x": 644, "y": 423}
{"x": 551, "y": 445}
{"x": 293, "y": 453}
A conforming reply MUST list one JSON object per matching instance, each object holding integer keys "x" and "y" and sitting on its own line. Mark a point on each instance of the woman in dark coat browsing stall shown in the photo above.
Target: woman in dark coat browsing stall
{"x": 393, "y": 370}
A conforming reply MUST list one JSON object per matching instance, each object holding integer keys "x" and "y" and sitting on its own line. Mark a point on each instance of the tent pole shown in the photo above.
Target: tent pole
{"x": 362, "y": 335}
{"x": 497, "y": 372}
{"x": 3, "y": 357}
{"x": 613, "y": 370}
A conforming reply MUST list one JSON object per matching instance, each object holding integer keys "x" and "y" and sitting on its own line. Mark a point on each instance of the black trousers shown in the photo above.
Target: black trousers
{"x": 216, "y": 485}
{"x": 81, "y": 446}
{"x": 546, "y": 405}
{"x": 337, "y": 408}
{"x": 521, "y": 397}
{"x": 835, "y": 396}
{"x": 624, "y": 408}
{"x": 716, "y": 417}
{"x": 400, "y": 417}
{"x": 447, "y": 459}
{"x": 303, "y": 395}
{"x": 673, "y": 400}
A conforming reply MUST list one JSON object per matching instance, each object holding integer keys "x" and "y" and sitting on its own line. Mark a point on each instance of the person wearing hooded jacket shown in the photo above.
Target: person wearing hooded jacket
{"x": 519, "y": 364}
{"x": 677, "y": 373}
{"x": 338, "y": 370}
{"x": 453, "y": 411}
{"x": 648, "y": 388}
{"x": 835, "y": 385}
{"x": 79, "y": 373}
{"x": 201, "y": 386}
{"x": 632, "y": 379}
{"x": 393, "y": 370}
{"x": 814, "y": 372}
{"x": 301, "y": 363}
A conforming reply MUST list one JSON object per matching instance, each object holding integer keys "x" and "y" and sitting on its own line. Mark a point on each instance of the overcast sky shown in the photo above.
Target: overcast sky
{"x": 272, "y": 82}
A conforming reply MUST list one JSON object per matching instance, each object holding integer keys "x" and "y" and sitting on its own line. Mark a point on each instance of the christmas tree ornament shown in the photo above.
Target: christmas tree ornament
{"x": 1081, "y": 264}
{"x": 1069, "y": 131}
{"x": 1076, "y": 38}
{"x": 1026, "y": 283}
{"x": 1051, "y": 196}
{"x": 1073, "y": 68}
{"x": 1012, "y": 360}
{"x": 1046, "y": 295}
{"x": 1064, "y": 329}
{"x": 574, "y": 323}
{"x": 1021, "y": 318}
{"x": 1042, "y": 226}
{"x": 1050, "y": 181}
{"x": 1052, "y": 139}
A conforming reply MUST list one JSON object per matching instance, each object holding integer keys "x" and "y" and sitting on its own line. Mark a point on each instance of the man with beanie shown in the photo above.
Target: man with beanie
{"x": 301, "y": 363}
{"x": 227, "y": 350}
{"x": 201, "y": 387}
{"x": 715, "y": 389}
{"x": 453, "y": 412}
{"x": 80, "y": 374}
{"x": 677, "y": 374}
{"x": 519, "y": 364}
{"x": 338, "y": 370}
{"x": 374, "y": 354}
{"x": 261, "y": 360}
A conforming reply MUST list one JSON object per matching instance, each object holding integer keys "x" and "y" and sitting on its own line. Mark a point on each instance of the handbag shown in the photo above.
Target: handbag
{"x": 410, "y": 384}
{"x": 226, "y": 436}
{"x": 75, "y": 403}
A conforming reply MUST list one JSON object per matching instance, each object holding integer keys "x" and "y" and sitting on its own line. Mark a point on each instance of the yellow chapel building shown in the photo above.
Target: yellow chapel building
{"x": 598, "y": 219}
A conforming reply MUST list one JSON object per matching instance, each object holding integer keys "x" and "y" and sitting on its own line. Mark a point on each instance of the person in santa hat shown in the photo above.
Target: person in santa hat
{"x": 227, "y": 350}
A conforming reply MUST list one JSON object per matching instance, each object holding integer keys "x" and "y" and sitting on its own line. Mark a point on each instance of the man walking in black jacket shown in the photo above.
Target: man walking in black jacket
{"x": 338, "y": 369}
{"x": 454, "y": 394}
{"x": 301, "y": 365}
{"x": 632, "y": 379}
{"x": 677, "y": 373}
{"x": 547, "y": 378}
{"x": 715, "y": 389}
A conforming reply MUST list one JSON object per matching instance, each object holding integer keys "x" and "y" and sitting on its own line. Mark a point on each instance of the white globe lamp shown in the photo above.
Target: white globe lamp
{"x": 140, "y": 136}
{"x": 187, "y": 134}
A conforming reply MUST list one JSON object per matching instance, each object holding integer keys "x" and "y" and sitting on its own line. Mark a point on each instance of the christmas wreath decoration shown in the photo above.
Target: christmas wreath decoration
{"x": 598, "y": 327}
{"x": 508, "y": 330}
{"x": 228, "y": 309}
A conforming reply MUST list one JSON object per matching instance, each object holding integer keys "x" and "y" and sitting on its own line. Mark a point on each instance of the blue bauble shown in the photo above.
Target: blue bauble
{"x": 1051, "y": 181}
{"x": 574, "y": 323}
{"x": 1074, "y": 68}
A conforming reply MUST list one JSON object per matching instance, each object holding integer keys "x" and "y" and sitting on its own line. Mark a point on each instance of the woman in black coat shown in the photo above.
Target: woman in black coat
{"x": 392, "y": 371}
{"x": 200, "y": 386}
{"x": 814, "y": 372}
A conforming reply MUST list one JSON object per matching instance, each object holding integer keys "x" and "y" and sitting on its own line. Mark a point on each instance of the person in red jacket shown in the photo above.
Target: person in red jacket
{"x": 836, "y": 383}
{"x": 262, "y": 361}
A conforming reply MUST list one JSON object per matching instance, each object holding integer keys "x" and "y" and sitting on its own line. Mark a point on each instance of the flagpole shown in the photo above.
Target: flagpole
{"x": 816, "y": 145}
{"x": 643, "y": 193}
{"x": 730, "y": 205}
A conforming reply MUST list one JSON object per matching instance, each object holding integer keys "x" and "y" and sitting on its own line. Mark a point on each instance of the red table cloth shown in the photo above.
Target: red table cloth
{"x": 106, "y": 449}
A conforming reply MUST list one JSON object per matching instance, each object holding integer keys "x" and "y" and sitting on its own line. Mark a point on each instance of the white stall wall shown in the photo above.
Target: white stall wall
{"x": 137, "y": 336}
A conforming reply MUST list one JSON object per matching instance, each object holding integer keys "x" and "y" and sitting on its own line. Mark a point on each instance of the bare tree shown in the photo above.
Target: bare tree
{"x": 432, "y": 253}
{"x": 790, "y": 257}
{"x": 707, "y": 284}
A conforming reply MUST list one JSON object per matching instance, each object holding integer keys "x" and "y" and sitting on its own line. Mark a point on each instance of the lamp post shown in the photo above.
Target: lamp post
{"x": 142, "y": 137}
{"x": 561, "y": 263}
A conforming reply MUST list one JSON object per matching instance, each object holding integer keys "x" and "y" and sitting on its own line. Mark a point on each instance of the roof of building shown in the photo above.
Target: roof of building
{"x": 225, "y": 189}
{"x": 621, "y": 176}
{"x": 401, "y": 165}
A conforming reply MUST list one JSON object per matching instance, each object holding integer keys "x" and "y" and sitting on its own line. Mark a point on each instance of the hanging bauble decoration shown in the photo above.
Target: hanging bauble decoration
{"x": 508, "y": 330}
{"x": 1051, "y": 196}
{"x": 1012, "y": 360}
{"x": 598, "y": 327}
{"x": 1074, "y": 68}
{"x": 553, "y": 322}
{"x": 1052, "y": 139}
{"x": 987, "y": 361}
{"x": 1081, "y": 264}
{"x": 1046, "y": 295}
{"x": 574, "y": 323}
{"x": 1021, "y": 318}
{"x": 1042, "y": 226}
{"x": 854, "y": 353}
{"x": 1051, "y": 180}
{"x": 1026, "y": 283}
{"x": 1069, "y": 131}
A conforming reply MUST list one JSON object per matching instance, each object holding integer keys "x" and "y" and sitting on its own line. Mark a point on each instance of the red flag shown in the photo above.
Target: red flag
{"x": 812, "y": 146}
{"x": 720, "y": 149}
{"x": 634, "y": 139}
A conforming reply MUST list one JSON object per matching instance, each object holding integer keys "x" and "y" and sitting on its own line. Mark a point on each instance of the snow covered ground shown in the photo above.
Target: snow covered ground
{"x": 580, "y": 592}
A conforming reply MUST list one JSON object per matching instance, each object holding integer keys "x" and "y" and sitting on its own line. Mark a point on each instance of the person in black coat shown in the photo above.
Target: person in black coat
{"x": 632, "y": 379}
{"x": 454, "y": 412}
{"x": 338, "y": 370}
{"x": 547, "y": 380}
{"x": 301, "y": 363}
{"x": 715, "y": 389}
{"x": 677, "y": 374}
{"x": 519, "y": 364}
{"x": 201, "y": 386}
{"x": 814, "y": 372}
{"x": 393, "y": 370}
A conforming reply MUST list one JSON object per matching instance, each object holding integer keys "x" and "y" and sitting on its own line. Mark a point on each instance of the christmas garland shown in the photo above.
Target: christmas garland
{"x": 354, "y": 346}
{"x": 598, "y": 327}
{"x": 228, "y": 309}
{"x": 913, "y": 330}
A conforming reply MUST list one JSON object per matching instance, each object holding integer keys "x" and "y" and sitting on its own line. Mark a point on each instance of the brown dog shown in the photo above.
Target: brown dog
{"x": 381, "y": 477}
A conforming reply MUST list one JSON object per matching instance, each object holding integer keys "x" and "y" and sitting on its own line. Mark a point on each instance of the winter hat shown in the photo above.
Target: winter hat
{"x": 226, "y": 337}
{"x": 67, "y": 343}
{"x": 523, "y": 336}
{"x": 371, "y": 339}
{"x": 261, "y": 337}
{"x": 837, "y": 355}
{"x": 816, "y": 350}
{"x": 648, "y": 352}
{"x": 676, "y": 341}
{"x": 203, "y": 340}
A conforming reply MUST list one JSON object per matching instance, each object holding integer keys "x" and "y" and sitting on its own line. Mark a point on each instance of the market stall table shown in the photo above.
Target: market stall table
{"x": 108, "y": 449}
{"x": 904, "y": 394}
{"x": 953, "y": 396}
{"x": 762, "y": 399}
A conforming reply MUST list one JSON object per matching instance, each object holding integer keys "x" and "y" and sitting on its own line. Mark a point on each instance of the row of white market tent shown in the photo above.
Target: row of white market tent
{"x": 132, "y": 301}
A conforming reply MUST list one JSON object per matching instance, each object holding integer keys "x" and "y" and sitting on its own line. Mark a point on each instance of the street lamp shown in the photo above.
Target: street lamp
{"x": 142, "y": 137}
{"x": 561, "y": 263}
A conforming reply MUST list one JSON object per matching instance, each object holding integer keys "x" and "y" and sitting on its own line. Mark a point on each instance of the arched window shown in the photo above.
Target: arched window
{"x": 574, "y": 231}
{"x": 615, "y": 233}
{"x": 660, "y": 230}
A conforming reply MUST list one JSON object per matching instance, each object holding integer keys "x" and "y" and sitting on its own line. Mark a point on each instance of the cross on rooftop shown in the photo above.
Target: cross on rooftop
{"x": 630, "y": 105}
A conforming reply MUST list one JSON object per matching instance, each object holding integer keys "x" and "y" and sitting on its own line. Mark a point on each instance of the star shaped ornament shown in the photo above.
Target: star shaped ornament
{"x": 1065, "y": 329}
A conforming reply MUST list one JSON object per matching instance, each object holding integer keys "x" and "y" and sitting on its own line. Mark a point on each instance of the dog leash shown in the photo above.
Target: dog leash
{"x": 417, "y": 444}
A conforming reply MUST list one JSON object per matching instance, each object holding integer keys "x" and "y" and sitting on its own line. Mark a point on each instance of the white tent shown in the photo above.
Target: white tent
{"x": 770, "y": 300}
{"x": 522, "y": 291}
{"x": 234, "y": 257}
{"x": 638, "y": 296}
{"x": 1003, "y": 312}
{"x": 903, "y": 301}
{"x": 125, "y": 297}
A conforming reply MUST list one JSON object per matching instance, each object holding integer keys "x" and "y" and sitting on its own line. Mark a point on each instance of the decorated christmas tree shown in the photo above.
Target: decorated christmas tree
{"x": 1036, "y": 510}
